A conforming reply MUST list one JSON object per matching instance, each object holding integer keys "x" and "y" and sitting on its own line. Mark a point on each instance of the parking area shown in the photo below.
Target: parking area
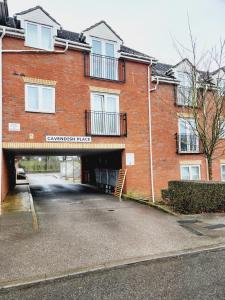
{"x": 80, "y": 228}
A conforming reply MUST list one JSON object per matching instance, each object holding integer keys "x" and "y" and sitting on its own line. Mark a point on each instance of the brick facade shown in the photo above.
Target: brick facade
{"x": 66, "y": 72}
{"x": 72, "y": 99}
{"x": 166, "y": 160}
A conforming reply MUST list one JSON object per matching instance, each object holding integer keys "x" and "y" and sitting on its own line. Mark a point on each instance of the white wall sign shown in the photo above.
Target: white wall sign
{"x": 14, "y": 126}
{"x": 68, "y": 139}
{"x": 130, "y": 161}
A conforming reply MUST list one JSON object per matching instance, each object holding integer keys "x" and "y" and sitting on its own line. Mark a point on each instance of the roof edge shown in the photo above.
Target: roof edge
{"x": 35, "y": 8}
{"x": 103, "y": 22}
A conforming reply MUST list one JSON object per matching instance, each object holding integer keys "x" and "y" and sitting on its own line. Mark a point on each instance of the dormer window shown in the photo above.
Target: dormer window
{"x": 39, "y": 36}
{"x": 103, "y": 61}
{"x": 184, "y": 90}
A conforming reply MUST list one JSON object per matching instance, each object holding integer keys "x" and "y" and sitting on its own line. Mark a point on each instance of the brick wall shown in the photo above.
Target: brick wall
{"x": 72, "y": 99}
{"x": 164, "y": 127}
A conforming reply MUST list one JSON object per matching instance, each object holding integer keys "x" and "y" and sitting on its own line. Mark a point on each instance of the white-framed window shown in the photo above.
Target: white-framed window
{"x": 105, "y": 115}
{"x": 222, "y": 86}
{"x": 103, "y": 59}
{"x": 190, "y": 172}
{"x": 39, "y": 98}
{"x": 222, "y": 128}
{"x": 188, "y": 141}
{"x": 184, "y": 89}
{"x": 39, "y": 36}
{"x": 222, "y": 172}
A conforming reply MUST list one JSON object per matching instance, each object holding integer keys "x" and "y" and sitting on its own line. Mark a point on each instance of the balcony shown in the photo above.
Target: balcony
{"x": 188, "y": 144}
{"x": 104, "y": 67}
{"x": 105, "y": 123}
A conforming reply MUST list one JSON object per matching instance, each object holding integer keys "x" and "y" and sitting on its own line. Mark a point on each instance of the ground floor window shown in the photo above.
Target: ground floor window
{"x": 223, "y": 172}
{"x": 190, "y": 172}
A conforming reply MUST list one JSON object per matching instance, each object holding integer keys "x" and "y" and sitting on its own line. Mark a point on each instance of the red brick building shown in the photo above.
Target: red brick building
{"x": 87, "y": 94}
{"x": 77, "y": 94}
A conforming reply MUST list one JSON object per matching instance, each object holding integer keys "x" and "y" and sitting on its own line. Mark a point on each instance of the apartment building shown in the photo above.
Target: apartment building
{"x": 68, "y": 93}
{"x": 87, "y": 94}
{"x": 176, "y": 149}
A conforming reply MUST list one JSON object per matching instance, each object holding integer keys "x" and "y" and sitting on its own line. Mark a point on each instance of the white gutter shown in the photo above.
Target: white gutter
{"x": 149, "y": 59}
{"x": 6, "y": 28}
{"x": 71, "y": 46}
{"x": 57, "y": 39}
{"x": 150, "y": 133}
{"x": 166, "y": 80}
{"x": 136, "y": 57}
{"x": 1, "y": 108}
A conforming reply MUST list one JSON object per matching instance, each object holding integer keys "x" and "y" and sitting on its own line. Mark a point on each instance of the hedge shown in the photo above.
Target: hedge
{"x": 195, "y": 196}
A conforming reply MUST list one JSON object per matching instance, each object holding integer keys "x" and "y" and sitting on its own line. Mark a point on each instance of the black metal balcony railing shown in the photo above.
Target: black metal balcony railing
{"x": 104, "y": 67}
{"x": 106, "y": 123}
{"x": 188, "y": 143}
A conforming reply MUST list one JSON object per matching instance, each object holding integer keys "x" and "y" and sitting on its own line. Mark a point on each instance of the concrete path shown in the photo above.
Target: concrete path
{"x": 81, "y": 229}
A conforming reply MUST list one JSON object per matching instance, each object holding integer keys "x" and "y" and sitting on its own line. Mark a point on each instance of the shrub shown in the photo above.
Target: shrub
{"x": 196, "y": 196}
{"x": 165, "y": 195}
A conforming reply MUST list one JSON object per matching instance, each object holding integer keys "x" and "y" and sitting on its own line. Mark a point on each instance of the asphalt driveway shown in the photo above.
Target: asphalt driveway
{"x": 81, "y": 228}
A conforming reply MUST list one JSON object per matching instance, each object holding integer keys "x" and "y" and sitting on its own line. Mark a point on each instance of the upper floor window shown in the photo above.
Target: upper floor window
{"x": 184, "y": 90}
{"x": 39, "y": 36}
{"x": 222, "y": 86}
{"x": 104, "y": 63}
{"x": 223, "y": 172}
{"x": 39, "y": 98}
{"x": 188, "y": 140}
{"x": 105, "y": 118}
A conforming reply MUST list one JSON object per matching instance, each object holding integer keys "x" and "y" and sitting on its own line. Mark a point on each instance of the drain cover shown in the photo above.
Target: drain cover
{"x": 215, "y": 226}
{"x": 188, "y": 221}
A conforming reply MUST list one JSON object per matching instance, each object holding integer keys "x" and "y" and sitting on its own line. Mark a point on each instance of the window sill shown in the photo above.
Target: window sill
{"x": 106, "y": 79}
{"x": 186, "y": 106}
{"x": 40, "y": 112}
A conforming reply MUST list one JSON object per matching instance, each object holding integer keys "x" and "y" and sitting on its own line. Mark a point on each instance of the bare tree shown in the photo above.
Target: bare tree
{"x": 203, "y": 98}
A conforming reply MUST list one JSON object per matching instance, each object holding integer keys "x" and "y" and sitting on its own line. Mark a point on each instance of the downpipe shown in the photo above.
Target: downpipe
{"x": 150, "y": 129}
{"x": 1, "y": 110}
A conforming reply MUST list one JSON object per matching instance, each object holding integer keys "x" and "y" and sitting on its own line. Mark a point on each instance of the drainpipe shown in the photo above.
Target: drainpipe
{"x": 150, "y": 129}
{"x": 150, "y": 133}
{"x": 1, "y": 94}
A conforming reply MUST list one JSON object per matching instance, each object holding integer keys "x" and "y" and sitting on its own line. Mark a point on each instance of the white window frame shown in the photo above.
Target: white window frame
{"x": 105, "y": 130}
{"x": 105, "y": 63}
{"x": 189, "y": 131}
{"x": 190, "y": 166}
{"x": 39, "y": 44}
{"x": 221, "y": 172}
{"x": 222, "y": 134}
{"x": 183, "y": 85}
{"x": 40, "y": 100}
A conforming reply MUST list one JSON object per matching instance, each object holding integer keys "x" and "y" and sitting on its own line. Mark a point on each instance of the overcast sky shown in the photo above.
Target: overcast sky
{"x": 146, "y": 25}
